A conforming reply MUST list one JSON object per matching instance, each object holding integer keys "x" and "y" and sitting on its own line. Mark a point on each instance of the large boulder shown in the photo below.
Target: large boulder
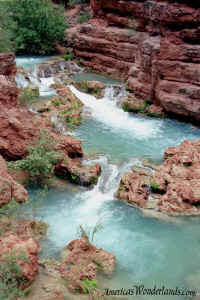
{"x": 81, "y": 261}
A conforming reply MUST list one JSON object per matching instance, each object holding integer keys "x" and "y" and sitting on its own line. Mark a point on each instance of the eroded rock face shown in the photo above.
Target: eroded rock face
{"x": 20, "y": 128}
{"x": 82, "y": 260}
{"x": 9, "y": 188}
{"x": 152, "y": 44}
{"x": 174, "y": 185}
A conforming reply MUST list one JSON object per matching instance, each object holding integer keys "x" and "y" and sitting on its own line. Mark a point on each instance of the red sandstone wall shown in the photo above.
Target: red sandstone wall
{"x": 155, "y": 45}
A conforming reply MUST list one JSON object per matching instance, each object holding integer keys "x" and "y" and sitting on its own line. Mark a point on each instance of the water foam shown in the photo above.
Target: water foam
{"x": 106, "y": 111}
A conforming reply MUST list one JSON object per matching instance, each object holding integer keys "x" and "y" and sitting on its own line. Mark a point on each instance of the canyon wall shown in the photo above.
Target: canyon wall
{"x": 153, "y": 44}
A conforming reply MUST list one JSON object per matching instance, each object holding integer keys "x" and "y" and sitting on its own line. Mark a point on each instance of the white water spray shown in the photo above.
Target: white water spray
{"x": 106, "y": 111}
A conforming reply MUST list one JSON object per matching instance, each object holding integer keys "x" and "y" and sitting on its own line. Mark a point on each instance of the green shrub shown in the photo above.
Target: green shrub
{"x": 38, "y": 25}
{"x": 88, "y": 285}
{"x": 11, "y": 209}
{"x": 56, "y": 102}
{"x": 126, "y": 107}
{"x": 83, "y": 18}
{"x": 69, "y": 56}
{"x": 6, "y": 25}
{"x": 10, "y": 277}
{"x": 155, "y": 187}
{"x": 41, "y": 161}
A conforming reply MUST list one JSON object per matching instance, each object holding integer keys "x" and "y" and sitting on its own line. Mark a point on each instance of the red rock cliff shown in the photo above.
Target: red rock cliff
{"x": 153, "y": 44}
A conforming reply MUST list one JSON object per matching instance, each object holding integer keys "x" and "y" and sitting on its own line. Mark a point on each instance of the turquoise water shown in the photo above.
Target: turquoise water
{"x": 28, "y": 62}
{"x": 101, "y": 138}
{"x": 149, "y": 251}
{"x": 94, "y": 77}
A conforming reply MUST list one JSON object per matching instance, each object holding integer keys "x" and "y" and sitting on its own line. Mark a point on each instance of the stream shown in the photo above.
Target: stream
{"x": 149, "y": 251}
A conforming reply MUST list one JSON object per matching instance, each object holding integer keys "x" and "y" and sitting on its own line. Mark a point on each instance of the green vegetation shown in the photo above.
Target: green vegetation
{"x": 10, "y": 277}
{"x": 6, "y": 27}
{"x": 32, "y": 27}
{"x": 88, "y": 285}
{"x": 11, "y": 209}
{"x": 68, "y": 56}
{"x": 84, "y": 17}
{"x": 89, "y": 232}
{"x": 155, "y": 115}
{"x": 57, "y": 102}
{"x": 126, "y": 107}
{"x": 41, "y": 160}
{"x": 66, "y": 111}
{"x": 155, "y": 187}
{"x": 86, "y": 88}
{"x": 28, "y": 96}
{"x": 72, "y": 3}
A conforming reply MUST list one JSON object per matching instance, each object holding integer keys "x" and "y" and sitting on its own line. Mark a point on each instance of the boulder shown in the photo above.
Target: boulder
{"x": 81, "y": 261}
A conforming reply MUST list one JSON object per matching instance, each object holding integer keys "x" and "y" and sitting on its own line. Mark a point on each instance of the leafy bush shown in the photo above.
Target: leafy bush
{"x": 41, "y": 161}
{"x": 83, "y": 18}
{"x": 68, "y": 56}
{"x": 88, "y": 285}
{"x": 10, "y": 277}
{"x": 38, "y": 25}
{"x": 155, "y": 187}
{"x": 56, "y": 102}
{"x": 6, "y": 26}
{"x": 11, "y": 209}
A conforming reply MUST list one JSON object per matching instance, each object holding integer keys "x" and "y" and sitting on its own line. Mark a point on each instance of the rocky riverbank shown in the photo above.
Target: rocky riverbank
{"x": 151, "y": 44}
{"x": 20, "y": 128}
{"x": 172, "y": 187}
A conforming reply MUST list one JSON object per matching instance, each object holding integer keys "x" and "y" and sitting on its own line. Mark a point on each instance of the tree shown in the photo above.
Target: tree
{"x": 38, "y": 25}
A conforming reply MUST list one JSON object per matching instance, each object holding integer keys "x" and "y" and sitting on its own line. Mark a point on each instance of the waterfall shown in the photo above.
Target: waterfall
{"x": 36, "y": 79}
{"x": 106, "y": 111}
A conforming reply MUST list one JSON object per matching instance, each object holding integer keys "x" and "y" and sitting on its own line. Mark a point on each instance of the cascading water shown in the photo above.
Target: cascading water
{"x": 105, "y": 110}
{"x": 43, "y": 83}
{"x": 149, "y": 251}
